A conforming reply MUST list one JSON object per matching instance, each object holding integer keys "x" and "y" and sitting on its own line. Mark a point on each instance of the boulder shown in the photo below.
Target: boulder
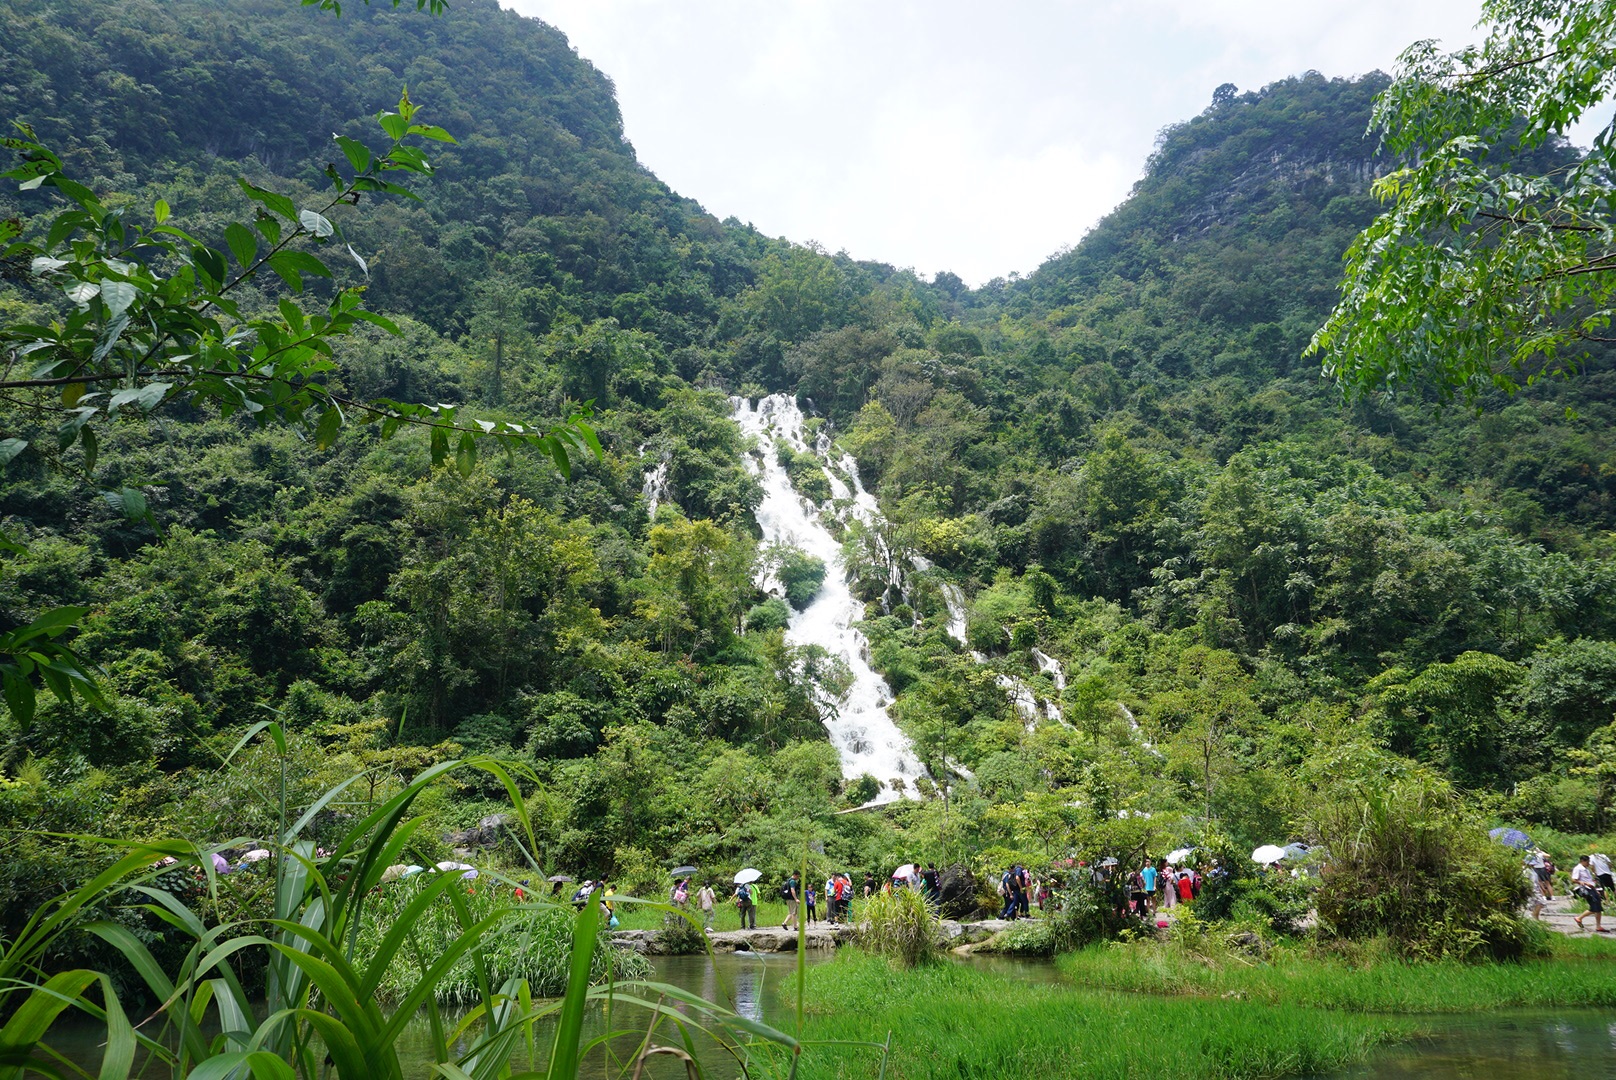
{"x": 956, "y": 887}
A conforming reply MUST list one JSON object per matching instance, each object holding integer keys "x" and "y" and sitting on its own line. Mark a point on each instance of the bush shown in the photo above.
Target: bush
{"x": 802, "y": 575}
{"x": 1087, "y": 913}
{"x": 772, "y": 614}
{"x": 1409, "y": 861}
{"x": 901, "y": 927}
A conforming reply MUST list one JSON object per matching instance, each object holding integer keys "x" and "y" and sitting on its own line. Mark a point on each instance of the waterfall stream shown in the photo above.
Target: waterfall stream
{"x": 860, "y": 729}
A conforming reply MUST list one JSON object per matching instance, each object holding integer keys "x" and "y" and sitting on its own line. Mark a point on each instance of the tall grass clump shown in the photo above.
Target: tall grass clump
{"x": 901, "y": 927}
{"x": 1409, "y": 861}
{"x": 534, "y": 944}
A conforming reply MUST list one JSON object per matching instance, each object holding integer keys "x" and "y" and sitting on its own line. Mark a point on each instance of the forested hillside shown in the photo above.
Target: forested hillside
{"x": 1119, "y": 461}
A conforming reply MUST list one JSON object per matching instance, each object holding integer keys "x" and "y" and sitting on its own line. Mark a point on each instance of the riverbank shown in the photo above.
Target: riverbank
{"x": 1579, "y": 972}
{"x": 820, "y": 936}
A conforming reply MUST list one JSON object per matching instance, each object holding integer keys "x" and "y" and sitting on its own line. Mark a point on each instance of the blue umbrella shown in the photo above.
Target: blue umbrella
{"x": 1511, "y": 838}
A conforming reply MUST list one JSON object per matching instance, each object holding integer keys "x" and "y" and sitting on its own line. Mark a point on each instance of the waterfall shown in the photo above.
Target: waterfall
{"x": 655, "y": 488}
{"x": 860, "y": 729}
{"x": 1020, "y": 694}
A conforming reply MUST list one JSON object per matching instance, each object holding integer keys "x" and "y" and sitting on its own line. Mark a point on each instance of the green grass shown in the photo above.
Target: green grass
{"x": 1580, "y": 972}
{"x": 955, "y": 1020}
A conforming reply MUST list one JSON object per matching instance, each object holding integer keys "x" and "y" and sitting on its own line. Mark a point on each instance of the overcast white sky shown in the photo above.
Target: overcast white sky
{"x": 949, "y": 134}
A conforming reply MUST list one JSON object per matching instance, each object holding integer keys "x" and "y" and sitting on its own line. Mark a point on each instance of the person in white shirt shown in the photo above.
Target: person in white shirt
{"x": 1584, "y": 885}
{"x": 704, "y": 900}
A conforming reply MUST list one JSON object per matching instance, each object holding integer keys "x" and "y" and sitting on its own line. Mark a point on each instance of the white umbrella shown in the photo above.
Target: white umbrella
{"x": 1268, "y": 853}
{"x": 256, "y": 855}
{"x": 906, "y": 871}
{"x": 1180, "y": 855}
{"x": 394, "y": 872}
{"x": 747, "y": 876}
{"x": 449, "y": 864}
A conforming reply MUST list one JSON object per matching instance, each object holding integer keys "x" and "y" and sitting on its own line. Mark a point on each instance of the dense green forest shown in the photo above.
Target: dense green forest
{"x": 1120, "y": 460}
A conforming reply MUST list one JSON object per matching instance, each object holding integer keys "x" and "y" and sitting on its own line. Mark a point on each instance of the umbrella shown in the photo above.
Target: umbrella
{"x": 560, "y": 879}
{"x": 1108, "y": 861}
{"x": 220, "y": 864}
{"x": 1180, "y": 855}
{"x": 1268, "y": 853}
{"x": 683, "y": 871}
{"x": 747, "y": 876}
{"x": 412, "y": 870}
{"x": 394, "y": 872}
{"x": 256, "y": 855}
{"x": 449, "y": 864}
{"x": 905, "y": 871}
{"x": 1511, "y": 838}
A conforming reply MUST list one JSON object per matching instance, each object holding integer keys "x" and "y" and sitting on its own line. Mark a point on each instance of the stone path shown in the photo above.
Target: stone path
{"x": 821, "y": 935}
{"x": 1557, "y": 916}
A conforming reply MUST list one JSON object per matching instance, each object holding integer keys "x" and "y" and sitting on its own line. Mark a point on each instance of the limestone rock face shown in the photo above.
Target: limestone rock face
{"x": 957, "y": 888}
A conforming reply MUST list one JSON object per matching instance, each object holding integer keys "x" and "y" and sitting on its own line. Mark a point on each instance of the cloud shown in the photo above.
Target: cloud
{"x": 948, "y": 134}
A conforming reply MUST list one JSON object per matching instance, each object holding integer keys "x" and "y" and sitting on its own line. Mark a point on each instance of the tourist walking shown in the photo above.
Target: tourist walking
{"x": 745, "y": 907}
{"x": 808, "y": 898}
{"x": 705, "y": 899}
{"x": 1584, "y": 885}
{"x": 1543, "y": 869}
{"x": 791, "y": 893}
{"x": 1147, "y": 877}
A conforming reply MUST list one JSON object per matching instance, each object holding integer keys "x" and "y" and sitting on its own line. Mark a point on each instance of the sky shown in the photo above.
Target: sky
{"x": 950, "y": 134}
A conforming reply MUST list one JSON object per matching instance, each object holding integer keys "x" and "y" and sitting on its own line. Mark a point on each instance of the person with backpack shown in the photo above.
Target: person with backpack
{"x": 745, "y": 906}
{"x": 1023, "y": 891}
{"x": 810, "y": 901}
{"x": 705, "y": 899}
{"x": 791, "y": 893}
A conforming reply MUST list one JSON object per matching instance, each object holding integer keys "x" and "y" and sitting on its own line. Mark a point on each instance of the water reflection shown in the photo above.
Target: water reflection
{"x": 1513, "y": 1046}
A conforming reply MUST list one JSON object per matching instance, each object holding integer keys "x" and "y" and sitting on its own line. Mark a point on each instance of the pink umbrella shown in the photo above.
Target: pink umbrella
{"x": 220, "y": 866}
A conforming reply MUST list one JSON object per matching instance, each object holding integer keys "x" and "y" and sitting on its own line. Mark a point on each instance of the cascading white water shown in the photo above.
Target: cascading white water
{"x": 655, "y": 487}
{"x": 863, "y": 733}
{"x": 1020, "y": 694}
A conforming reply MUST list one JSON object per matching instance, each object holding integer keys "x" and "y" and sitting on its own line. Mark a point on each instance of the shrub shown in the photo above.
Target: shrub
{"x": 772, "y": 614}
{"x": 901, "y": 927}
{"x": 1409, "y": 861}
{"x": 802, "y": 575}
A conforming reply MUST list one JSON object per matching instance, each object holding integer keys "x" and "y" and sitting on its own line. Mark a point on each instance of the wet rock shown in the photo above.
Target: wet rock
{"x": 956, "y": 887}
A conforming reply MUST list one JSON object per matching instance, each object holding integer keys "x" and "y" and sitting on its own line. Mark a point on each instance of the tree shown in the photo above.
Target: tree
{"x": 1496, "y": 262}
{"x": 155, "y": 317}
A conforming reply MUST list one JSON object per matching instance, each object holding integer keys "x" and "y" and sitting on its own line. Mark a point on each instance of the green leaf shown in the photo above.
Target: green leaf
{"x": 357, "y": 153}
{"x": 10, "y": 448}
{"x": 160, "y": 211}
{"x": 91, "y": 446}
{"x": 440, "y": 445}
{"x": 145, "y": 398}
{"x": 326, "y": 432}
{"x": 466, "y": 454}
{"x": 279, "y": 204}
{"x": 118, "y": 295}
{"x": 431, "y": 131}
{"x": 242, "y": 243}
{"x": 392, "y": 123}
{"x": 134, "y": 504}
{"x": 210, "y": 262}
{"x": 29, "y": 1023}
{"x": 19, "y": 694}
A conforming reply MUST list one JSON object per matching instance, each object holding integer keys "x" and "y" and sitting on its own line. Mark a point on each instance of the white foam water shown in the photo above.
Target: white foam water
{"x": 859, "y": 727}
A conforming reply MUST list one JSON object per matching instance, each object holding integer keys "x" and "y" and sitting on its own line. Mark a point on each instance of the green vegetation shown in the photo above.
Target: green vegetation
{"x": 957, "y": 1020}
{"x": 1494, "y": 264}
{"x": 900, "y": 926}
{"x": 1214, "y": 606}
{"x": 1579, "y": 973}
